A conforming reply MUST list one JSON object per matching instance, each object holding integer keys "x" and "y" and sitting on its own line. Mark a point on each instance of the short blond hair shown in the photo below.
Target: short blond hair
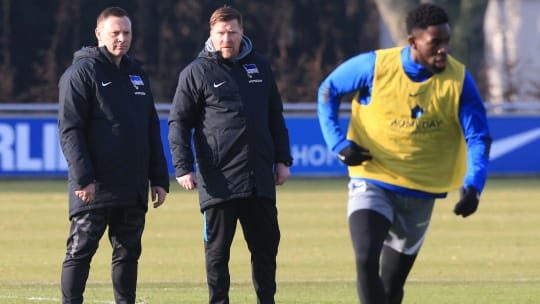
{"x": 225, "y": 13}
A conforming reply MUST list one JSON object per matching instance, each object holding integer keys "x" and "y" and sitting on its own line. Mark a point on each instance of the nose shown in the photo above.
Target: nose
{"x": 443, "y": 48}
{"x": 227, "y": 37}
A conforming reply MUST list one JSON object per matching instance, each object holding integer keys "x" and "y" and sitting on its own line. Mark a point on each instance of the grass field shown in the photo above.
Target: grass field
{"x": 491, "y": 257}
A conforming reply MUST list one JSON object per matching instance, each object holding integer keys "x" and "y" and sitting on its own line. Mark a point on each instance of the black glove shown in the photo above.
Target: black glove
{"x": 468, "y": 202}
{"x": 353, "y": 155}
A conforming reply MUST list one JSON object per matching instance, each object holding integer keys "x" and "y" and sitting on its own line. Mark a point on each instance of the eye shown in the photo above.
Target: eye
{"x": 435, "y": 42}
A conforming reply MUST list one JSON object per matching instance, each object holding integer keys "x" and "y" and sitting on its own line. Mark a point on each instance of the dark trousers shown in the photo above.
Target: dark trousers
{"x": 258, "y": 218}
{"x": 125, "y": 232}
{"x": 377, "y": 283}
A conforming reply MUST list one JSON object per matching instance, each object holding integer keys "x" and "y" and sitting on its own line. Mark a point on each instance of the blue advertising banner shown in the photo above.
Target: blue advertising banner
{"x": 516, "y": 145}
{"x": 29, "y": 147}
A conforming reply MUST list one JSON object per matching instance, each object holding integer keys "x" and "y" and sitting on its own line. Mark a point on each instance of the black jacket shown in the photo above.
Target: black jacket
{"x": 109, "y": 131}
{"x": 235, "y": 112}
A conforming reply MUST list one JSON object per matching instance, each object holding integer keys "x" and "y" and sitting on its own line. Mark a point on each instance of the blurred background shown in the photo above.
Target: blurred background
{"x": 498, "y": 40}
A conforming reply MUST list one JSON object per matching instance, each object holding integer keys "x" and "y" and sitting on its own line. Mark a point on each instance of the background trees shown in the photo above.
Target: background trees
{"x": 304, "y": 39}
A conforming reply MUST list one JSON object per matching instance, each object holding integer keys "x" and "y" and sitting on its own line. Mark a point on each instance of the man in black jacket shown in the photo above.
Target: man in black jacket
{"x": 109, "y": 133}
{"x": 229, "y": 99}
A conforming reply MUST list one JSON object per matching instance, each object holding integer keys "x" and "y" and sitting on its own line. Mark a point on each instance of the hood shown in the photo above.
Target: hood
{"x": 246, "y": 47}
{"x": 100, "y": 53}
{"x": 90, "y": 52}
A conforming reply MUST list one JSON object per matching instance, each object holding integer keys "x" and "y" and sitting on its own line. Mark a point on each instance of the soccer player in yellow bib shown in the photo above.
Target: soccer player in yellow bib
{"x": 417, "y": 130}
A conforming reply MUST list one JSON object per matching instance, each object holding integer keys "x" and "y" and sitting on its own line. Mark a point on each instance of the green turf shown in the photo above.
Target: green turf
{"x": 491, "y": 257}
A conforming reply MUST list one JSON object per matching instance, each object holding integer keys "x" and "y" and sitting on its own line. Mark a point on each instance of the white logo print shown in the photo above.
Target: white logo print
{"x": 509, "y": 144}
{"x": 104, "y": 84}
{"x": 217, "y": 85}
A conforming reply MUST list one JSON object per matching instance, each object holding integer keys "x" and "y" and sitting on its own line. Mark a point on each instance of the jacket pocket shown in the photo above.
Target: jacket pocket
{"x": 207, "y": 151}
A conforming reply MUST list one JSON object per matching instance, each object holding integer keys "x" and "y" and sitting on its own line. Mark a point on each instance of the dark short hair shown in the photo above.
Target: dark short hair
{"x": 425, "y": 15}
{"x": 225, "y": 13}
{"x": 111, "y": 11}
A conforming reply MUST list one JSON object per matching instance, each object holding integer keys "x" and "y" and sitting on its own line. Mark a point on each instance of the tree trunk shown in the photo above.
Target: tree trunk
{"x": 393, "y": 13}
{"x": 468, "y": 36}
{"x": 503, "y": 66}
{"x": 6, "y": 70}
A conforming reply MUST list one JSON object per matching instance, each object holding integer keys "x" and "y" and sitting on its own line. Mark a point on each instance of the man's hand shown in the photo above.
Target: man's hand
{"x": 188, "y": 181}
{"x": 87, "y": 194}
{"x": 158, "y": 195}
{"x": 281, "y": 173}
{"x": 468, "y": 203}
{"x": 353, "y": 155}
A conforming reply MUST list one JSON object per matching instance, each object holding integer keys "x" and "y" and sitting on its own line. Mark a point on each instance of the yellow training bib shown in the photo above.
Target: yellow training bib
{"x": 412, "y": 129}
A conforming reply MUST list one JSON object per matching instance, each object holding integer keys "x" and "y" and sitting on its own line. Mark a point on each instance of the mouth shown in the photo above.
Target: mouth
{"x": 440, "y": 60}
{"x": 439, "y": 65}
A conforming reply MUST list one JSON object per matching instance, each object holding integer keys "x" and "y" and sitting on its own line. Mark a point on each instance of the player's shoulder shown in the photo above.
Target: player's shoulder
{"x": 79, "y": 71}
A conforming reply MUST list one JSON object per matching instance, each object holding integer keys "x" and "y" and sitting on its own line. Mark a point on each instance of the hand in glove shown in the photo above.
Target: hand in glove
{"x": 353, "y": 155}
{"x": 468, "y": 202}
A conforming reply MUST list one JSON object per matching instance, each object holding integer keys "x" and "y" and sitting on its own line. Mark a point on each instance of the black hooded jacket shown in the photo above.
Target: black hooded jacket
{"x": 235, "y": 112}
{"x": 109, "y": 131}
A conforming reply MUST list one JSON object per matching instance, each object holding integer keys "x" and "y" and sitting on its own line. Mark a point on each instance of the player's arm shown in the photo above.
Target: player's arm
{"x": 182, "y": 117}
{"x": 473, "y": 118}
{"x": 354, "y": 75}
{"x": 75, "y": 100}
{"x": 276, "y": 123}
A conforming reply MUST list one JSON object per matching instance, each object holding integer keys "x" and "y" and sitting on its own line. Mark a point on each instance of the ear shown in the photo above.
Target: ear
{"x": 411, "y": 39}
{"x": 98, "y": 34}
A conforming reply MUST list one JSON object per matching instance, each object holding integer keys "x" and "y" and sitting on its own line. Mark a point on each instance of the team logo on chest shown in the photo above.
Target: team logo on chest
{"x": 252, "y": 70}
{"x": 136, "y": 80}
{"x": 417, "y": 112}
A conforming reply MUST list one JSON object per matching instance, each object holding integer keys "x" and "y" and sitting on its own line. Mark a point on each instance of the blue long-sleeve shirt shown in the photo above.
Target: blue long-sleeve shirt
{"x": 356, "y": 75}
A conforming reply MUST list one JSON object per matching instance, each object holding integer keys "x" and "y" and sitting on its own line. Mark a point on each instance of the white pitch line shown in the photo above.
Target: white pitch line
{"x": 42, "y": 299}
{"x": 322, "y": 280}
{"x": 299, "y": 280}
{"x": 411, "y": 280}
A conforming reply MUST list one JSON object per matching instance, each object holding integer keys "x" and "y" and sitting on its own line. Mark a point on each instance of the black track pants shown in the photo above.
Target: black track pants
{"x": 125, "y": 231}
{"x": 258, "y": 218}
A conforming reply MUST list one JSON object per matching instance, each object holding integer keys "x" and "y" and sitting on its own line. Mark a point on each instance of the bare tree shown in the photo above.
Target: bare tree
{"x": 47, "y": 69}
{"x": 6, "y": 70}
{"x": 305, "y": 40}
{"x": 393, "y": 13}
{"x": 512, "y": 48}
{"x": 468, "y": 34}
